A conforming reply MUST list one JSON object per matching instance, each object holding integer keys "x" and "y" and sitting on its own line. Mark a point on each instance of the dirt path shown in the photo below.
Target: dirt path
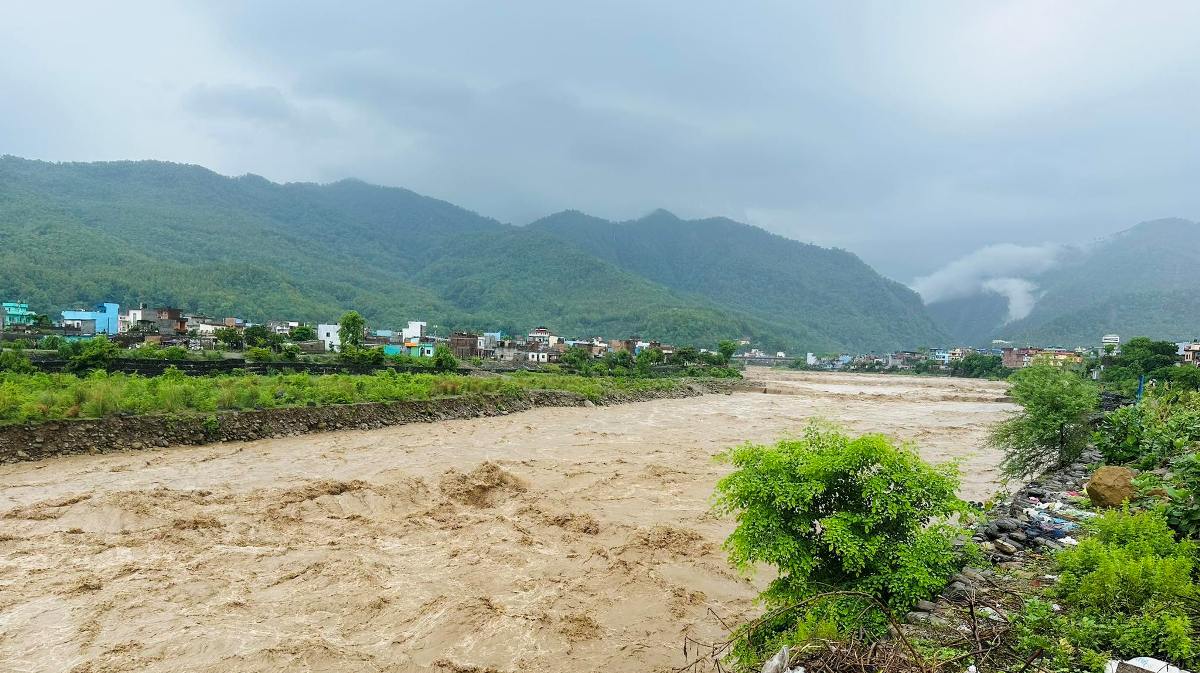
{"x": 542, "y": 541}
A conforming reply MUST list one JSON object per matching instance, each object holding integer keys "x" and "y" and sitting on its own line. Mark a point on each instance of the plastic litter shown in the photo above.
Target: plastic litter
{"x": 1146, "y": 663}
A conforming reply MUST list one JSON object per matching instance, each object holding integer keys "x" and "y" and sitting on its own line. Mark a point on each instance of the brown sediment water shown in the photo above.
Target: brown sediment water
{"x": 553, "y": 539}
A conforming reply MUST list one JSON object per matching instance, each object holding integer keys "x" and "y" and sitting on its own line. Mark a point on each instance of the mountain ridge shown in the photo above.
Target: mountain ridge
{"x": 1132, "y": 282}
{"x": 181, "y": 234}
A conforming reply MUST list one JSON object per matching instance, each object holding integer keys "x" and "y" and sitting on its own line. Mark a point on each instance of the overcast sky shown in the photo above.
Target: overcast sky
{"x": 913, "y": 134}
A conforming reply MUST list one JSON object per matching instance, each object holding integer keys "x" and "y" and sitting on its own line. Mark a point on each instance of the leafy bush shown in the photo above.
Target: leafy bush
{"x": 1149, "y": 434}
{"x": 1052, "y": 428}
{"x": 85, "y": 356}
{"x": 256, "y": 354}
{"x": 834, "y": 512}
{"x": 15, "y": 361}
{"x": 40, "y": 397}
{"x": 1183, "y": 493}
{"x": 980, "y": 366}
{"x": 444, "y": 360}
{"x": 1127, "y": 590}
{"x": 356, "y": 355}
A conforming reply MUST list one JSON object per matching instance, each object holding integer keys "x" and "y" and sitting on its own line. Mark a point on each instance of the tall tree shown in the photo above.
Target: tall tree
{"x": 351, "y": 330}
{"x": 1052, "y": 428}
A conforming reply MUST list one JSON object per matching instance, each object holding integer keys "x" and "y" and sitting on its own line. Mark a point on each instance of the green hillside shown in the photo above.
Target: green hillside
{"x": 160, "y": 233}
{"x": 1137, "y": 282}
{"x": 826, "y": 296}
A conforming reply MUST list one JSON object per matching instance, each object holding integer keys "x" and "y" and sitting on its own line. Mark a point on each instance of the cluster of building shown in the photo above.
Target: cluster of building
{"x": 169, "y": 326}
{"x": 944, "y": 358}
{"x": 1011, "y": 357}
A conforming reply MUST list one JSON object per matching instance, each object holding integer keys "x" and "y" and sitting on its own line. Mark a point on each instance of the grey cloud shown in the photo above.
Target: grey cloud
{"x": 254, "y": 103}
{"x": 1004, "y": 269}
{"x": 910, "y": 136}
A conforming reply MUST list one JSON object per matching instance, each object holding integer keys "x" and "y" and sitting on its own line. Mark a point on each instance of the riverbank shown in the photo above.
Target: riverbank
{"x": 38, "y": 441}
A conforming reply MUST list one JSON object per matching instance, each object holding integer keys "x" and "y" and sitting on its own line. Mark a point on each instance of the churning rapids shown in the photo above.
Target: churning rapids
{"x": 549, "y": 540}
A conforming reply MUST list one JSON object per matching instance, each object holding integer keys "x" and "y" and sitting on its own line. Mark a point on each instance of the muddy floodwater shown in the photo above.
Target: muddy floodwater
{"x": 550, "y": 540}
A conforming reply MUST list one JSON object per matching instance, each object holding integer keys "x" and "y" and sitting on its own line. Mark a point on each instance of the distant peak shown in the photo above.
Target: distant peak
{"x": 568, "y": 217}
{"x": 661, "y": 214}
{"x": 1161, "y": 227}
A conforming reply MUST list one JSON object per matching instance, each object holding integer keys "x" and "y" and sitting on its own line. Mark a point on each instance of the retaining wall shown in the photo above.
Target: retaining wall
{"x": 211, "y": 367}
{"x": 124, "y": 433}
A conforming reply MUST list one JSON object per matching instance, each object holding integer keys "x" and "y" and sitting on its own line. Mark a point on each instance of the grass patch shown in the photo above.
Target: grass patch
{"x": 45, "y": 397}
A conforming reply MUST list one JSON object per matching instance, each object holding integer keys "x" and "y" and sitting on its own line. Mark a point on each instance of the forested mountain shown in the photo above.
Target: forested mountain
{"x": 160, "y": 233}
{"x": 1136, "y": 282}
{"x": 824, "y": 295}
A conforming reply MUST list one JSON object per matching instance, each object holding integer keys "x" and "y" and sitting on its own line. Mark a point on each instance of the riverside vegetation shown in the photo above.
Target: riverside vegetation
{"x": 43, "y": 397}
{"x": 859, "y": 529}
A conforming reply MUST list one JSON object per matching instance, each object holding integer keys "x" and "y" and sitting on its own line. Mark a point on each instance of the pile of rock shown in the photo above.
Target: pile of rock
{"x": 1040, "y": 516}
{"x": 975, "y": 583}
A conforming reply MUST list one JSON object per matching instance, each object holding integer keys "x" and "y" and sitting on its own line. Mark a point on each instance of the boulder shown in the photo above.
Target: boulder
{"x": 1006, "y": 547}
{"x": 1110, "y": 486}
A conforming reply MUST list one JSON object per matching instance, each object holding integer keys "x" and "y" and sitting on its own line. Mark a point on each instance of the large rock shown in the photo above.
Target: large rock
{"x": 1110, "y": 486}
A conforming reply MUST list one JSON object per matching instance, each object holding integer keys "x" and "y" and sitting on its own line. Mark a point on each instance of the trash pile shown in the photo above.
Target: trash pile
{"x": 1041, "y": 516}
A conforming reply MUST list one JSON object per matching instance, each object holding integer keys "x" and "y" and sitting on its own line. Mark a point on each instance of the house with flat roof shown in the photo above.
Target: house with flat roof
{"x": 105, "y": 319}
{"x": 15, "y": 313}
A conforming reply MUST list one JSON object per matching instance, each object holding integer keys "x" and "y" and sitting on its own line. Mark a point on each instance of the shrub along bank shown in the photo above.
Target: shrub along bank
{"x": 853, "y": 525}
{"x": 35, "y": 441}
{"x": 45, "y": 397}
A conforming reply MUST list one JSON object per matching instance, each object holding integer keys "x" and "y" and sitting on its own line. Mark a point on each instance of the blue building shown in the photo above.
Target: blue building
{"x": 104, "y": 317}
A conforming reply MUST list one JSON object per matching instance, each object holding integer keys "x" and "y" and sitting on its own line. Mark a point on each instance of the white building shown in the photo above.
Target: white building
{"x": 1113, "y": 340}
{"x": 413, "y": 332}
{"x": 329, "y": 334}
{"x": 544, "y": 336}
{"x": 128, "y": 319}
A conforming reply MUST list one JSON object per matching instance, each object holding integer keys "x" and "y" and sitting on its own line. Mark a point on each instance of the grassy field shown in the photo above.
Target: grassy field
{"x": 43, "y": 397}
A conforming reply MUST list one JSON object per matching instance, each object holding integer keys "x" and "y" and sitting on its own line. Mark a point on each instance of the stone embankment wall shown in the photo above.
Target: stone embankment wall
{"x": 214, "y": 367}
{"x": 124, "y": 433}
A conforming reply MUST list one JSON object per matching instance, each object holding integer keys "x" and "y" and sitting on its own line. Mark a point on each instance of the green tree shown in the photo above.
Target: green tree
{"x": 833, "y": 512}
{"x": 15, "y": 361}
{"x": 351, "y": 329}
{"x": 1143, "y": 355}
{"x": 1185, "y": 378}
{"x": 443, "y": 359}
{"x": 230, "y": 337}
{"x": 303, "y": 333}
{"x": 684, "y": 355}
{"x": 979, "y": 366}
{"x": 95, "y": 353}
{"x": 647, "y": 358}
{"x": 1052, "y": 428}
{"x": 727, "y": 347}
{"x": 928, "y": 366}
{"x": 42, "y": 321}
{"x": 257, "y": 336}
{"x": 576, "y": 357}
